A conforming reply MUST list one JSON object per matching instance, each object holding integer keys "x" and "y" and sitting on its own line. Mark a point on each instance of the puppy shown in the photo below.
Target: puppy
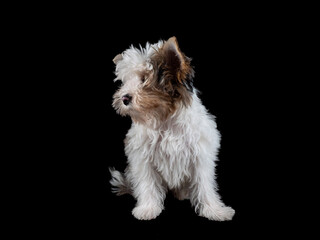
{"x": 173, "y": 141}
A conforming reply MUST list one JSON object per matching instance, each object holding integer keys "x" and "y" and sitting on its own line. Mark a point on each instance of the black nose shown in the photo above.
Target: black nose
{"x": 126, "y": 99}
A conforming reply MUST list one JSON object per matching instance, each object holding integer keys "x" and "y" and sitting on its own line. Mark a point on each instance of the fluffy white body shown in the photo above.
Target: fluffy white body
{"x": 178, "y": 154}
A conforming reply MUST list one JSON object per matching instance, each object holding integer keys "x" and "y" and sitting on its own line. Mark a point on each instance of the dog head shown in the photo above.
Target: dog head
{"x": 156, "y": 81}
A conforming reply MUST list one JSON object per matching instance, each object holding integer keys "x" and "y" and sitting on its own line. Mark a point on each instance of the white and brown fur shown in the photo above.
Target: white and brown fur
{"x": 173, "y": 141}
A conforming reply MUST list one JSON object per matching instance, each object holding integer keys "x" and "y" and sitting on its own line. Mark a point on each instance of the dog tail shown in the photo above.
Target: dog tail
{"x": 119, "y": 183}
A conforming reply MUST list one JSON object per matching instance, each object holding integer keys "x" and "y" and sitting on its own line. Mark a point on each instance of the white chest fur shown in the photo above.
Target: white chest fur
{"x": 170, "y": 152}
{"x": 174, "y": 149}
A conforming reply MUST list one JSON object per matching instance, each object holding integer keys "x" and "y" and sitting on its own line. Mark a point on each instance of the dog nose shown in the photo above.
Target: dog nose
{"x": 126, "y": 99}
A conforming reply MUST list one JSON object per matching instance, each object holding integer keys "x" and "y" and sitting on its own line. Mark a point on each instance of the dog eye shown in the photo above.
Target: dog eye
{"x": 143, "y": 79}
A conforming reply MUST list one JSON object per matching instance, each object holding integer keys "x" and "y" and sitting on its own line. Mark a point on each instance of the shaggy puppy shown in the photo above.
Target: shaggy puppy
{"x": 173, "y": 141}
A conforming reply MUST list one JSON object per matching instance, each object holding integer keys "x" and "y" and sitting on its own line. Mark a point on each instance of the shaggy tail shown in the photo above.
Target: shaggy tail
{"x": 119, "y": 183}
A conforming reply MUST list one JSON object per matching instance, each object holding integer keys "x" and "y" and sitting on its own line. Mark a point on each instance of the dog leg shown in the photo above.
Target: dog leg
{"x": 204, "y": 194}
{"x": 148, "y": 190}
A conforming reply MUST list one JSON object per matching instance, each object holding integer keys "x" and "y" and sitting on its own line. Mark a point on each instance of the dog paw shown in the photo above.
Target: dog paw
{"x": 146, "y": 212}
{"x": 217, "y": 213}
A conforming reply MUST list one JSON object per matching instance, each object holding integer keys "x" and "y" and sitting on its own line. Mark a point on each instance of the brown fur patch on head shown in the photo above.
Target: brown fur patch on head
{"x": 174, "y": 72}
{"x": 153, "y": 104}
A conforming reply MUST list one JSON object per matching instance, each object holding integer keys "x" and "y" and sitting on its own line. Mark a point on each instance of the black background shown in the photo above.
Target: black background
{"x": 236, "y": 56}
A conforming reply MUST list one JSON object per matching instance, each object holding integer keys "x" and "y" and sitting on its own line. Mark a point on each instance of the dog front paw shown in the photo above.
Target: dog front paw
{"x": 217, "y": 213}
{"x": 146, "y": 212}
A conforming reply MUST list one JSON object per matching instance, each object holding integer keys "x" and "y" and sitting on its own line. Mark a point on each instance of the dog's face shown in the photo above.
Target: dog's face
{"x": 156, "y": 81}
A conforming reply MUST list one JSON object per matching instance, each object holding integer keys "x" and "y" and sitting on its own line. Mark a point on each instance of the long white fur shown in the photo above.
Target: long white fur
{"x": 179, "y": 154}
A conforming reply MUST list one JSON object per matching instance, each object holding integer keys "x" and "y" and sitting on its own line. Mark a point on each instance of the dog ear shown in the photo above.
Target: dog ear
{"x": 172, "y": 53}
{"x": 175, "y": 62}
{"x": 174, "y": 73}
{"x": 117, "y": 58}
